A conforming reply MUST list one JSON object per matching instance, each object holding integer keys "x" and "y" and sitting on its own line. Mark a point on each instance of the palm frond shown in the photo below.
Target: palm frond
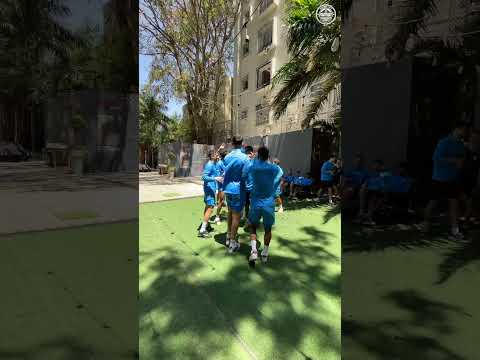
{"x": 293, "y": 79}
{"x": 329, "y": 83}
{"x": 414, "y": 20}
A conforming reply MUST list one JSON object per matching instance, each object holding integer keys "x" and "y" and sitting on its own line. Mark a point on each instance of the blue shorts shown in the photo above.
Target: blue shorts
{"x": 220, "y": 187}
{"x": 209, "y": 198}
{"x": 262, "y": 209}
{"x": 236, "y": 202}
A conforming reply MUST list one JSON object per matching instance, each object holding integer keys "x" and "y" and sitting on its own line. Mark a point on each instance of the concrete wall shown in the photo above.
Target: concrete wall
{"x": 294, "y": 150}
{"x": 376, "y": 112}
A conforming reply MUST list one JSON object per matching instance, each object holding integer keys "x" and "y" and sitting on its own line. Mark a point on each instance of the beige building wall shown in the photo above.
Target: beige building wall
{"x": 223, "y": 123}
{"x": 372, "y": 23}
{"x": 251, "y": 110}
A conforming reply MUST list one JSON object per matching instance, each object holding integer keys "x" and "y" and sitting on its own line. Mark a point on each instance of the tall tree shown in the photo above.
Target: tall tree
{"x": 314, "y": 58}
{"x": 190, "y": 41}
{"x": 152, "y": 120}
{"x": 30, "y": 38}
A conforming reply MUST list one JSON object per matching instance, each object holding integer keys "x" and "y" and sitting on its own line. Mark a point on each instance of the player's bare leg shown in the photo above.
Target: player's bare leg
{"x": 207, "y": 213}
{"x": 266, "y": 244}
{"x": 220, "y": 202}
{"x": 235, "y": 222}
{"x": 253, "y": 244}
{"x": 229, "y": 228}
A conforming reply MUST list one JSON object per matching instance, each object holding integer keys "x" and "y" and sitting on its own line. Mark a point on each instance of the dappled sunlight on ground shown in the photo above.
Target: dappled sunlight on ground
{"x": 423, "y": 302}
{"x": 200, "y": 302}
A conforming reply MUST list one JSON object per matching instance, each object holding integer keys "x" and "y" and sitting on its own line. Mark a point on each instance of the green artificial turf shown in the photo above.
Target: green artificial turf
{"x": 197, "y": 302}
{"x": 408, "y": 296}
{"x": 70, "y": 294}
{"x": 76, "y": 215}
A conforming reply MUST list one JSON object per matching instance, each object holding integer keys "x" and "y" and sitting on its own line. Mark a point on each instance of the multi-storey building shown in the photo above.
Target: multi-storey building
{"x": 223, "y": 123}
{"x": 371, "y": 23}
{"x": 406, "y": 105}
{"x": 260, "y": 51}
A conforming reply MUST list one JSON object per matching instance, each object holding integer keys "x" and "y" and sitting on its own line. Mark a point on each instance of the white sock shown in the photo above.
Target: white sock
{"x": 265, "y": 250}
{"x": 455, "y": 230}
{"x": 204, "y": 226}
{"x": 254, "y": 245}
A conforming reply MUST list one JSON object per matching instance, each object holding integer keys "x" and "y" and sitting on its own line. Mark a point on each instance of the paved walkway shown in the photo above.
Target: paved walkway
{"x": 154, "y": 187}
{"x": 36, "y": 197}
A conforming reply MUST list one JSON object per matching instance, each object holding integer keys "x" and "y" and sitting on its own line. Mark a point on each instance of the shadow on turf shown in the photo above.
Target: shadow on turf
{"x": 359, "y": 238}
{"x": 235, "y": 297}
{"x": 457, "y": 258}
{"x": 66, "y": 347}
{"x": 398, "y": 338}
{"x": 456, "y": 254}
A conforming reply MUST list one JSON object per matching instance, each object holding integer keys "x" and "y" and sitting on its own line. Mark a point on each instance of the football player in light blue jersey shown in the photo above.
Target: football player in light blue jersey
{"x": 248, "y": 183}
{"x": 210, "y": 178}
{"x": 234, "y": 188}
{"x": 220, "y": 194}
{"x": 264, "y": 175}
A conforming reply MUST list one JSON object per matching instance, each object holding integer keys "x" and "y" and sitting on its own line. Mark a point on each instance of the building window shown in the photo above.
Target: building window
{"x": 265, "y": 37}
{"x": 246, "y": 47}
{"x": 264, "y": 4}
{"x": 244, "y": 114}
{"x": 389, "y": 3}
{"x": 245, "y": 83}
{"x": 264, "y": 75}
{"x": 262, "y": 114}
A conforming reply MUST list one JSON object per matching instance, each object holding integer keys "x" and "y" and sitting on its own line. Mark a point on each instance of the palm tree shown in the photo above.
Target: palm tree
{"x": 152, "y": 121}
{"x": 30, "y": 38}
{"x": 461, "y": 49}
{"x": 411, "y": 23}
{"x": 314, "y": 51}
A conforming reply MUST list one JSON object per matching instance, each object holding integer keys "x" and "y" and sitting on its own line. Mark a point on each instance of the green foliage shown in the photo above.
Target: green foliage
{"x": 30, "y": 37}
{"x": 190, "y": 42}
{"x": 309, "y": 44}
{"x": 152, "y": 120}
{"x": 420, "y": 10}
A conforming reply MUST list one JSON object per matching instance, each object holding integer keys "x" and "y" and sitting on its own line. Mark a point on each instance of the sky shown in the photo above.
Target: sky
{"x": 84, "y": 12}
{"x": 173, "y": 106}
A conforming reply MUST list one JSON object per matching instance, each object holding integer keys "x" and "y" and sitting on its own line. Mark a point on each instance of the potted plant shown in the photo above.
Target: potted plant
{"x": 79, "y": 151}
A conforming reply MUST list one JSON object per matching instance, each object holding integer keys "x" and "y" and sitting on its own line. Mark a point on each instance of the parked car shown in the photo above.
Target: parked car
{"x": 144, "y": 168}
{"x": 13, "y": 152}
